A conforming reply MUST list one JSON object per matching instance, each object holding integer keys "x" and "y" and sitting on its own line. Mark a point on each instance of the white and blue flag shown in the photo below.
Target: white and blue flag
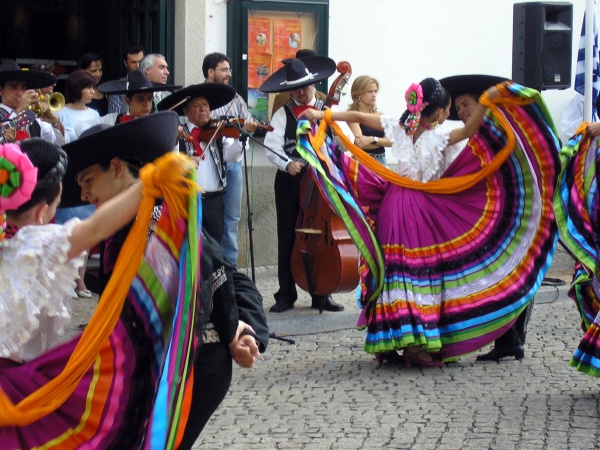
{"x": 580, "y": 78}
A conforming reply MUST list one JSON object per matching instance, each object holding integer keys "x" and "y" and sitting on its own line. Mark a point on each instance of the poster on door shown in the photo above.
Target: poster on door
{"x": 287, "y": 40}
{"x": 259, "y": 35}
{"x": 259, "y": 68}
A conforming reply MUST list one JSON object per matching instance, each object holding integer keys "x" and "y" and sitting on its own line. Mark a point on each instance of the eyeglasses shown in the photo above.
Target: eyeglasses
{"x": 225, "y": 70}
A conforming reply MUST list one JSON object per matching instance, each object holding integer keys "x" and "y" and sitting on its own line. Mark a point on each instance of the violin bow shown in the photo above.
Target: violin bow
{"x": 221, "y": 122}
{"x": 178, "y": 103}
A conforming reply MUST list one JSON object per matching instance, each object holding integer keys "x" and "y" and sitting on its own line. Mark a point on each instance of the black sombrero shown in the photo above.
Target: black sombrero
{"x": 298, "y": 73}
{"x": 301, "y": 54}
{"x": 468, "y": 84}
{"x": 217, "y": 94}
{"x": 136, "y": 82}
{"x": 141, "y": 140}
{"x": 34, "y": 79}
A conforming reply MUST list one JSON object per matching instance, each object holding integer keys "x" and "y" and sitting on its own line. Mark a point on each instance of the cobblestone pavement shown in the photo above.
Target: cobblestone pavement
{"x": 324, "y": 392}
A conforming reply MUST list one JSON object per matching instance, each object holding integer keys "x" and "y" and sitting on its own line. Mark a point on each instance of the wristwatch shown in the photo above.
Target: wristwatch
{"x": 375, "y": 140}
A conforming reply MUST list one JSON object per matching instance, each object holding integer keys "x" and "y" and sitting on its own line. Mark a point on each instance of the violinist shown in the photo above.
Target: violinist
{"x": 208, "y": 145}
{"x": 216, "y": 69}
{"x": 298, "y": 77}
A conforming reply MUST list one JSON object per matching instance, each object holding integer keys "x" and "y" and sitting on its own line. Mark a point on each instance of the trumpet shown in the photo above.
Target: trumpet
{"x": 55, "y": 102}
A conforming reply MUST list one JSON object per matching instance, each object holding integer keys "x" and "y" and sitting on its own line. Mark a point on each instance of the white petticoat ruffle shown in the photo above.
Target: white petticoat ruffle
{"x": 36, "y": 282}
{"x": 425, "y": 159}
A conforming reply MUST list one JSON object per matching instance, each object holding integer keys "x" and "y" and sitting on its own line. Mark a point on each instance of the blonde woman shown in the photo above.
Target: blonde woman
{"x": 364, "y": 99}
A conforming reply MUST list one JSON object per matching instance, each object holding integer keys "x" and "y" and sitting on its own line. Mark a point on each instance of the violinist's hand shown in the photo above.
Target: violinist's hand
{"x": 250, "y": 126}
{"x": 244, "y": 349}
{"x": 312, "y": 114}
{"x": 294, "y": 167}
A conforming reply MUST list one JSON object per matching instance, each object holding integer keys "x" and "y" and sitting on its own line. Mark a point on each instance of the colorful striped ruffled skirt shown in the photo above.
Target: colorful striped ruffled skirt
{"x": 577, "y": 209}
{"x": 446, "y": 267}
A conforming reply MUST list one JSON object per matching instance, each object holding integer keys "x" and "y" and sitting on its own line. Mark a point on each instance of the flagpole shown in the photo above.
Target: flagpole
{"x": 589, "y": 59}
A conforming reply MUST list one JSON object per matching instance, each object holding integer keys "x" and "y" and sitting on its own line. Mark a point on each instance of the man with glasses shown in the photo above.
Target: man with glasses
{"x": 216, "y": 69}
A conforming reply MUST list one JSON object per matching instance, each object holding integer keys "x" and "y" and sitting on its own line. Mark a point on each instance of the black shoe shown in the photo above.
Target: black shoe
{"x": 282, "y": 305}
{"x": 325, "y": 303}
{"x": 497, "y": 353}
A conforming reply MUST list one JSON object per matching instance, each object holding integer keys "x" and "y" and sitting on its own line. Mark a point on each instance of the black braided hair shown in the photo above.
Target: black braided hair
{"x": 434, "y": 94}
{"x": 51, "y": 162}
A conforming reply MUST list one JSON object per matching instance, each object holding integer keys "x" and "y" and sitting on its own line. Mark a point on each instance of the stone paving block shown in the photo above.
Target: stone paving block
{"x": 324, "y": 392}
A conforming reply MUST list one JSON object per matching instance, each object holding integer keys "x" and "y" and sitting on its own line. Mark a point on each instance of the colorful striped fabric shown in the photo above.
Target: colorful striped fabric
{"x": 463, "y": 255}
{"x": 134, "y": 395}
{"x": 577, "y": 208}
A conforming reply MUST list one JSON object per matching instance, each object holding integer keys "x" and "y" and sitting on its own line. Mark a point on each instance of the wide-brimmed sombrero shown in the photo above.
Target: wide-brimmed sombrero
{"x": 468, "y": 84}
{"x": 301, "y": 54}
{"x": 299, "y": 73}
{"x": 34, "y": 79}
{"x": 136, "y": 82}
{"x": 217, "y": 94}
{"x": 141, "y": 140}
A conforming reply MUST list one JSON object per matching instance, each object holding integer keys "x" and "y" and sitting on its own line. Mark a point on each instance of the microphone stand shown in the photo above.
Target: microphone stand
{"x": 244, "y": 136}
{"x": 249, "y": 213}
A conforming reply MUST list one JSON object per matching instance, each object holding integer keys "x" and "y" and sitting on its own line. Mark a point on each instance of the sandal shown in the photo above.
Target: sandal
{"x": 84, "y": 293}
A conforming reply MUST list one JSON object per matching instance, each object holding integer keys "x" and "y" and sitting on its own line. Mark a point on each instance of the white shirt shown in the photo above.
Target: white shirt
{"x": 207, "y": 175}
{"x": 75, "y": 119}
{"x": 275, "y": 139}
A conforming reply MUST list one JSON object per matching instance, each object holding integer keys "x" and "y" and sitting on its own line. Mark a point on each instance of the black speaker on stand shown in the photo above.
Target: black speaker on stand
{"x": 542, "y": 44}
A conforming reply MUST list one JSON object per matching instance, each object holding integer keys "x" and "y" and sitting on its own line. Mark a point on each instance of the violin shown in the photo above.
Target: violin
{"x": 219, "y": 128}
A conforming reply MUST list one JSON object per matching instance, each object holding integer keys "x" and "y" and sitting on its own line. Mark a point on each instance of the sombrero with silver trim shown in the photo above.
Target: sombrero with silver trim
{"x": 299, "y": 73}
{"x": 458, "y": 85}
{"x": 217, "y": 94}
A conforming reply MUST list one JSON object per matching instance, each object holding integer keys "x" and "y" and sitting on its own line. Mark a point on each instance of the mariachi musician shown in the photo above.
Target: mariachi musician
{"x": 297, "y": 76}
{"x": 138, "y": 92}
{"x": 19, "y": 90}
{"x": 209, "y": 142}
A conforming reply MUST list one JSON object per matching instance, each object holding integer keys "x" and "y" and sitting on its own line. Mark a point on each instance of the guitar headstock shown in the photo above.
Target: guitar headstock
{"x": 21, "y": 121}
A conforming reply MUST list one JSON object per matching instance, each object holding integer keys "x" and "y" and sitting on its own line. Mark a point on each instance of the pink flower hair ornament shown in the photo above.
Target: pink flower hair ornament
{"x": 414, "y": 105}
{"x": 18, "y": 177}
{"x": 414, "y": 98}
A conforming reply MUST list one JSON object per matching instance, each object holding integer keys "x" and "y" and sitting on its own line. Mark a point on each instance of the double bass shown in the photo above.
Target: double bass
{"x": 324, "y": 259}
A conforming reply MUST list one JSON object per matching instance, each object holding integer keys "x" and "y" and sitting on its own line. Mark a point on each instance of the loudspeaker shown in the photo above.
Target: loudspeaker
{"x": 542, "y": 44}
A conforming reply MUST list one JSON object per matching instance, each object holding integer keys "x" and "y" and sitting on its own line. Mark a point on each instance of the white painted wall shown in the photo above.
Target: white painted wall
{"x": 201, "y": 29}
{"x": 396, "y": 41}
{"x": 403, "y": 41}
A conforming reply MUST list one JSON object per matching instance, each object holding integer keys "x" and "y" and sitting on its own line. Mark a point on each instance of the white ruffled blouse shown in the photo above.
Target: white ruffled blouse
{"x": 427, "y": 158}
{"x": 37, "y": 280}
